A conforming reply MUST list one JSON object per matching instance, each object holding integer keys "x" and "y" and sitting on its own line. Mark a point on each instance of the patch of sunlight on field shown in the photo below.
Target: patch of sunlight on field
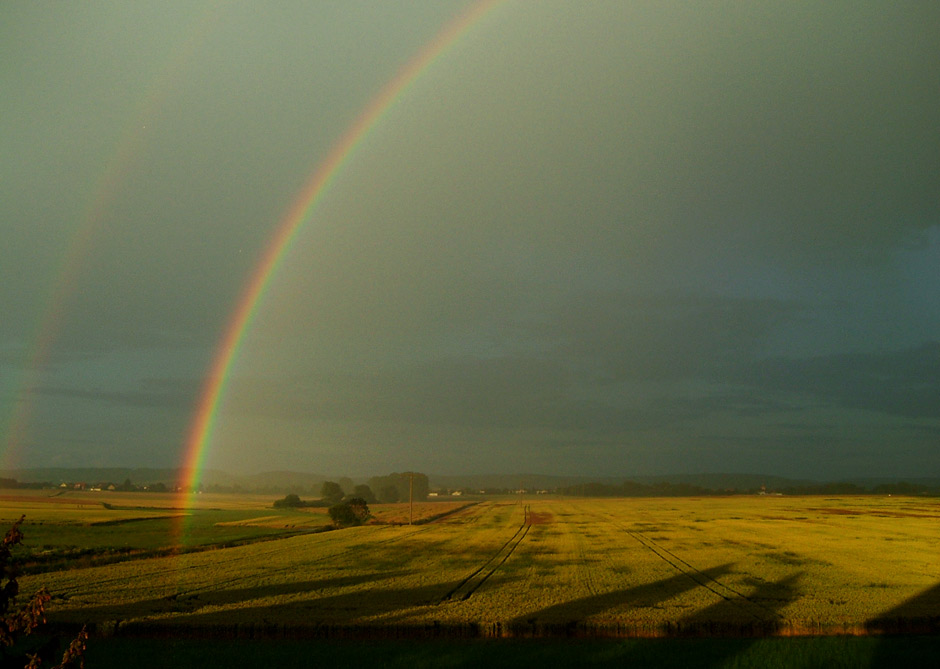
{"x": 70, "y": 505}
{"x": 736, "y": 566}
{"x": 402, "y": 512}
{"x": 82, "y": 529}
{"x": 299, "y": 519}
{"x": 59, "y": 510}
{"x": 397, "y": 514}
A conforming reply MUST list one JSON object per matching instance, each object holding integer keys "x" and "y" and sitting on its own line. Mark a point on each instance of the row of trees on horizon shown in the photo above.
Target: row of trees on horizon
{"x": 398, "y": 487}
{"x": 664, "y": 489}
{"x": 395, "y": 487}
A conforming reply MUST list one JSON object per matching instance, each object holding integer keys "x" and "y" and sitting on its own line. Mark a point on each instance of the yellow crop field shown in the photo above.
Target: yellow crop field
{"x": 74, "y": 508}
{"x": 582, "y": 567}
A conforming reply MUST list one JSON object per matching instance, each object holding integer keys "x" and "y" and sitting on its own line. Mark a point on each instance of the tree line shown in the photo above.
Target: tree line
{"x": 348, "y": 504}
{"x": 664, "y": 489}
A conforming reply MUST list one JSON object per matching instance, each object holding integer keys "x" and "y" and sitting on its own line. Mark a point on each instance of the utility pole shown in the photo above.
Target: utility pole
{"x": 411, "y": 497}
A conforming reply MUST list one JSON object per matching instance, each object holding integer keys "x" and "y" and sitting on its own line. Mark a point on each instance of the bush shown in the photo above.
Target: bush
{"x": 353, "y": 512}
{"x": 290, "y": 501}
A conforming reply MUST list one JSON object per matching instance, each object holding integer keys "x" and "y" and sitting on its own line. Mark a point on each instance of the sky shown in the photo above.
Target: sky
{"x": 606, "y": 238}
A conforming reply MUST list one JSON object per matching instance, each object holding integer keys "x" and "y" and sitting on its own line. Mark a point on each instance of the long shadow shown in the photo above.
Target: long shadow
{"x": 918, "y": 615}
{"x": 719, "y": 633}
{"x": 755, "y": 615}
{"x": 566, "y": 619}
{"x": 909, "y": 633}
{"x": 356, "y": 615}
{"x": 187, "y": 603}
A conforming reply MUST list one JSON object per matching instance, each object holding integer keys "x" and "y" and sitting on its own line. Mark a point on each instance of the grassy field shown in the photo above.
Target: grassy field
{"x": 77, "y": 529}
{"x": 737, "y": 567}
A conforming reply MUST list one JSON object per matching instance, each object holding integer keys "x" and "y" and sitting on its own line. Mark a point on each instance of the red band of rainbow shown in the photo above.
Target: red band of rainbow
{"x": 201, "y": 430}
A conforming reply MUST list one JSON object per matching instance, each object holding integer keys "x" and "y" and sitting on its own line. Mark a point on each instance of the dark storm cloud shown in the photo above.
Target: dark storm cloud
{"x": 663, "y": 234}
{"x": 816, "y": 131}
{"x": 623, "y": 336}
{"x": 902, "y": 383}
{"x": 606, "y": 361}
{"x": 155, "y": 393}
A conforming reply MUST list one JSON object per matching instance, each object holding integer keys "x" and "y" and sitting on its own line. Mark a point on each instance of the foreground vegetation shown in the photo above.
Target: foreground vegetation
{"x": 844, "y": 652}
{"x": 733, "y": 567}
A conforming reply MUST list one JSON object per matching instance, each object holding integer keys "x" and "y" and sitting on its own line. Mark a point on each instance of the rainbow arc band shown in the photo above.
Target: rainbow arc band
{"x": 108, "y": 185}
{"x": 201, "y": 429}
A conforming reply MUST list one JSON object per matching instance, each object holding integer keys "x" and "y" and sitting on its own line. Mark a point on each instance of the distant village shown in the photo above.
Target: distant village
{"x": 592, "y": 489}
{"x": 99, "y": 486}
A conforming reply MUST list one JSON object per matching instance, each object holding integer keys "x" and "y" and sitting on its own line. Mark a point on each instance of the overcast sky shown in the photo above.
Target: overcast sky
{"x": 591, "y": 238}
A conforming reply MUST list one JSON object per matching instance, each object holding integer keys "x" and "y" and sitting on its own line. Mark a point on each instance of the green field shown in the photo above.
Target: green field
{"x": 78, "y": 529}
{"x": 736, "y": 567}
{"x": 81, "y": 529}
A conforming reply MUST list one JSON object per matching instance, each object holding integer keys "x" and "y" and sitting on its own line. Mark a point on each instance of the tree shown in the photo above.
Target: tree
{"x": 346, "y": 484}
{"x": 20, "y": 622}
{"x": 388, "y": 493}
{"x": 331, "y": 492}
{"x": 421, "y": 485}
{"x": 290, "y": 501}
{"x": 353, "y": 512}
{"x": 360, "y": 509}
{"x": 365, "y": 492}
{"x": 405, "y": 484}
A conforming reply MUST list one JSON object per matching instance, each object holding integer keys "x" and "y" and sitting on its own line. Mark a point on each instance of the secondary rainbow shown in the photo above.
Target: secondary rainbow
{"x": 203, "y": 423}
{"x": 87, "y": 230}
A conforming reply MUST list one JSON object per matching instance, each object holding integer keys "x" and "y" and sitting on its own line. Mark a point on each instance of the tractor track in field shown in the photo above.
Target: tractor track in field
{"x": 228, "y": 562}
{"x": 710, "y": 583}
{"x": 174, "y": 556}
{"x": 472, "y": 582}
{"x": 293, "y": 567}
{"x": 586, "y": 573}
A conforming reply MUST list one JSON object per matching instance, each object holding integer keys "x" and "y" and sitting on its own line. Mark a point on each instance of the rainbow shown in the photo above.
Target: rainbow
{"x": 301, "y": 210}
{"x": 107, "y": 188}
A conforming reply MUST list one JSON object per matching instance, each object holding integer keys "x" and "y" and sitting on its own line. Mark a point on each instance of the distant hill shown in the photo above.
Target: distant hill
{"x": 728, "y": 481}
{"x": 309, "y": 483}
{"x": 297, "y": 482}
{"x": 513, "y": 481}
{"x": 138, "y": 475}
{"x": 534, "y": 481}
{"x": 871, "y": 482}
{"x": 276, "y": 482}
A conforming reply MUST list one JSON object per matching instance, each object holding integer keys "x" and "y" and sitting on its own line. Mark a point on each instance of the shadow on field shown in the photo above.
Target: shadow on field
{"x": 710, "y": 637}
{"x": 755, "y": 614}
{"x": 566, "y": 619}
{"x": 918, "y": 615}
{"x": 193, "y": 601}
{"x": 340, "y": 615}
